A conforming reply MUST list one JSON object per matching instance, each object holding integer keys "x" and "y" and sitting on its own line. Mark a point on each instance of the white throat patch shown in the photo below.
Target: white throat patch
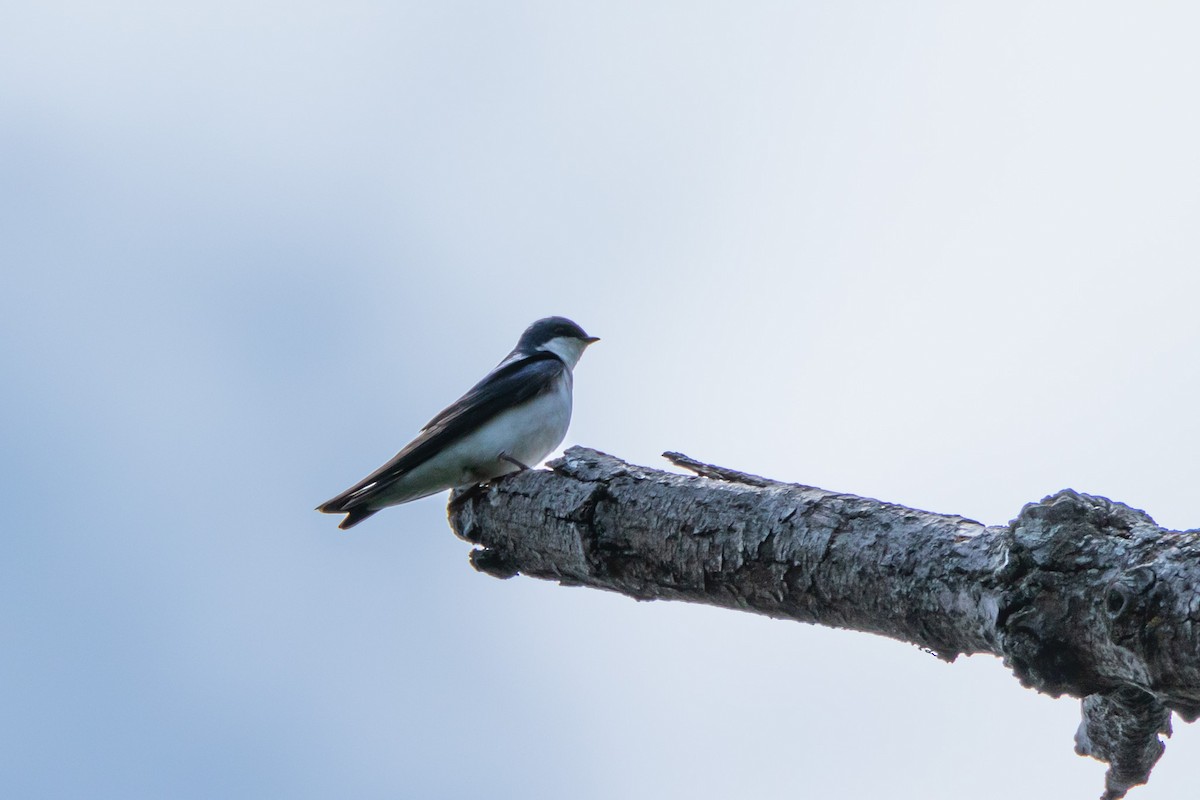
{"x": 568, "y": 348}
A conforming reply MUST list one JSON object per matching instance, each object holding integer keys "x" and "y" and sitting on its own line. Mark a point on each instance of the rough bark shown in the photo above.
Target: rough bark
{"x": 1079, "y": 595}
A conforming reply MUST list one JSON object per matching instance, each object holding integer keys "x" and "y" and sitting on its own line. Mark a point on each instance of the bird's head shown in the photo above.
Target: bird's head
{"x": 557, "y": 335}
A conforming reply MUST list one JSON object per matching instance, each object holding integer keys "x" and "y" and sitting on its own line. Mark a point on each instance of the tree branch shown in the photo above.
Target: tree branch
{"x": 1079, "y": 595}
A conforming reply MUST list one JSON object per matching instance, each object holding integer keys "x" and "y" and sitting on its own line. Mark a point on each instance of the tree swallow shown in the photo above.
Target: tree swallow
{"x": 509, "y": 421}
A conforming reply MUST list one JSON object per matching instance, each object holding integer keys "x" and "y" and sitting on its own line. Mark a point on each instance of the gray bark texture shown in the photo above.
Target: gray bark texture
{"x": 1079, "y": 595}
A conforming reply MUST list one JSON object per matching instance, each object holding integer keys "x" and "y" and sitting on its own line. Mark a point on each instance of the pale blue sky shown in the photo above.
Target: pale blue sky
{"x": 929, "y": 252}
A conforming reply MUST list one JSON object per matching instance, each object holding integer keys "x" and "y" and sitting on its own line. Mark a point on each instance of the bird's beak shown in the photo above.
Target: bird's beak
{"x": 592, "y": 339}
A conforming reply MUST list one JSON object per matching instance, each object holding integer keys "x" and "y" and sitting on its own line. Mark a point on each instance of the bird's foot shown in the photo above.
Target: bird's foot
{"x": 465, "y": 496}
{"x": 513, "y": 461}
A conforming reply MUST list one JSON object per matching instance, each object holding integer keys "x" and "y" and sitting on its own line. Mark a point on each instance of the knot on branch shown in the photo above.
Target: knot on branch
{"x": 1132, "y": 602}
{"x": 1062, "y": 588}
{"x": 1121, "y": 727}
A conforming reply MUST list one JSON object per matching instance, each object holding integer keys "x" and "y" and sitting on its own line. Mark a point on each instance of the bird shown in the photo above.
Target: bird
{"x": 509, "y": 421}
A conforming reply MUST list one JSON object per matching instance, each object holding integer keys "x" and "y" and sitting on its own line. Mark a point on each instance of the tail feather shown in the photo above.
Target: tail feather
{"x": 355, "y": 516}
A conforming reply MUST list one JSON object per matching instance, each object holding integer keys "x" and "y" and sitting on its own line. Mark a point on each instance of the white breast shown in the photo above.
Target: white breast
{"x": 531, "y": 432}
{"x": 527, "y": 434}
